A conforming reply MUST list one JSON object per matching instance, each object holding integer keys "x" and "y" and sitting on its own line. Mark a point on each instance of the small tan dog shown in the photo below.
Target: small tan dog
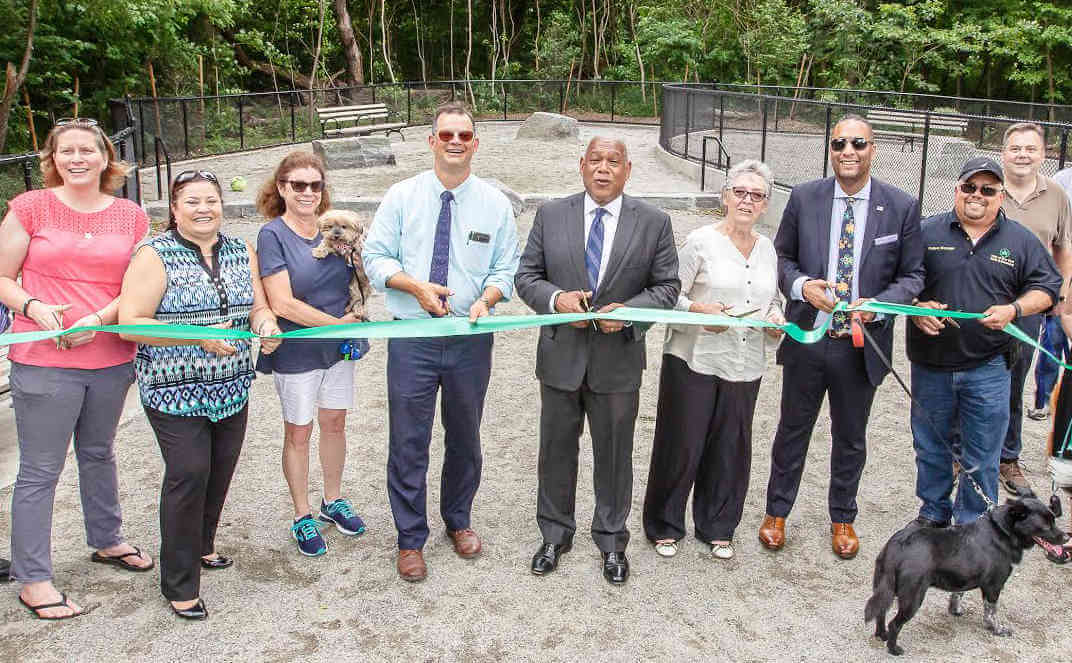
{"x": 344, "y": 234}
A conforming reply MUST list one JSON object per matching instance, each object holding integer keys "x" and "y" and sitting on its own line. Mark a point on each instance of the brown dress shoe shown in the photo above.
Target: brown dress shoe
{"x": 844, "y": 540}
{"x": 772, "y": 532}
{"x": 411, "y": 565}
{"x": 466, "y": 542}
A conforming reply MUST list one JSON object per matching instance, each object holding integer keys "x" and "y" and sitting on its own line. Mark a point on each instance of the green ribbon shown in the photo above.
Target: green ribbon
{"x": 460, "y": 326}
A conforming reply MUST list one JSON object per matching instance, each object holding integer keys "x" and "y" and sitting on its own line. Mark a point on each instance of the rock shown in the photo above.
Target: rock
{"x": 548, "y": 125}
{"x": 511, "y": 195}
{"x": 355, "y": 152}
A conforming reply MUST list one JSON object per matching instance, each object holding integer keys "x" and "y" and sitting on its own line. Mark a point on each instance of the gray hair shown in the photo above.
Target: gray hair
{"x": 751, "y": 167}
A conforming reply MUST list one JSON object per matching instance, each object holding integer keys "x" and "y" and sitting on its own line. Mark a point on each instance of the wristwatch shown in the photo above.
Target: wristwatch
{"x": 1019, "y": 311}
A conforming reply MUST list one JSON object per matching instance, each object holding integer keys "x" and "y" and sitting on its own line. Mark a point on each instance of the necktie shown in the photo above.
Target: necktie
{"x": 845, "y": 261}
{"x": 593, "y": 252}
{"x": 441, "y": 248}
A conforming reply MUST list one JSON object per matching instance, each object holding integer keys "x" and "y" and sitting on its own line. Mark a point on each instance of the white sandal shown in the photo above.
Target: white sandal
{"x": 722, "y": 550}
{"x": 666, "y": 548}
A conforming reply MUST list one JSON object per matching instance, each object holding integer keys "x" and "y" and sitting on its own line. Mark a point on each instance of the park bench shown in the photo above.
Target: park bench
{"x": 908, "y": 126}
{"x": 375, "y": 116}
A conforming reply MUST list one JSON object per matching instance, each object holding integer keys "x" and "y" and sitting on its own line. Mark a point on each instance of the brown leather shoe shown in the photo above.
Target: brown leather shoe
{"x": 466, "y": 542}
{"x": 772, "y": 532}
{"x": 411, "y": 565}
{"x": 844, "y": 540}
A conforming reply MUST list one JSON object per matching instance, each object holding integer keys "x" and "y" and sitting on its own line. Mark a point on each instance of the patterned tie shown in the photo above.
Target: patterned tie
{"x": 593, "y": 253}
{"x": 441, "y": 248}
{"x": 843, "y": 285}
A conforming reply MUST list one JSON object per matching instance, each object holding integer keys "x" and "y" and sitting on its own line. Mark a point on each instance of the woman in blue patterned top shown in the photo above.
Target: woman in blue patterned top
{"x": 195, "y": 393}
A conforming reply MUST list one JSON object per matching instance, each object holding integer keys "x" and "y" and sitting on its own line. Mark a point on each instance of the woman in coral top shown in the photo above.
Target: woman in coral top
{"x": 70, "y": 243}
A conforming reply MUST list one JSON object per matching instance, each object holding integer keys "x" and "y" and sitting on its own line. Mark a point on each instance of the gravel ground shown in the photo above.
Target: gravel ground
{"x": 524, "y": 165}
{"x": 274, "y": 605}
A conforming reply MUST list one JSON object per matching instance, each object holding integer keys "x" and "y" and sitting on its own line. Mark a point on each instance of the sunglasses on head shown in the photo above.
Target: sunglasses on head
{"x": 986, "y": 190}
{"x": 755, "y": 196}
{"x": 298, "y": 186}
{"x": 191, "y": 175}
{"x": 83, "y": 121}
{"x": 838, "y": 144}
{"x": 447, "y": 136}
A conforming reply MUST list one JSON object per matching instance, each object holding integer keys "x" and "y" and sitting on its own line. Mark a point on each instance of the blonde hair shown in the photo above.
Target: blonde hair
{"x": 270, "y": 204}
{"x": 113, "y": 175}
{"x": 1023, "y": 127}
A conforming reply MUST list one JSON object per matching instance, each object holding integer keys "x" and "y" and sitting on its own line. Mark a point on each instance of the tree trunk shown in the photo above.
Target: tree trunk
{"x": 451, "y": 39}
{"x": 420, "y": 45}
{"x": 316, "y": 61}
{"x": 15, "y": 79}
{"x": 1049, "y": 75}
{"x": 383, "y": 35}
{"x": 469, "y": 55}
{"x": 355, "y": 68}
{"x": 595, "y": 42}
{"x": 636, "y": 49}
{"x": 494, "y": 40}
{"x": 537, "y": 41}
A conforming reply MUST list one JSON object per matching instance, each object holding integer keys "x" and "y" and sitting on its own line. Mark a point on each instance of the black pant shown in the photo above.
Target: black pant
{"x": 811, "y": 371}
{"x": 703, "y": 435}
{"x": 611, "y": 418}
{"x": 1020, "y": 367}
{"x": 199, "y": 460}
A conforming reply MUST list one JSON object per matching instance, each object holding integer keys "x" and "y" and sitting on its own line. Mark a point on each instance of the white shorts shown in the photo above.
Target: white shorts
{"x": 302, "y": 393}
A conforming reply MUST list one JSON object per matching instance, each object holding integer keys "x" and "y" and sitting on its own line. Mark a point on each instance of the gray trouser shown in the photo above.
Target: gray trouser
{"x": 51, "y": 404}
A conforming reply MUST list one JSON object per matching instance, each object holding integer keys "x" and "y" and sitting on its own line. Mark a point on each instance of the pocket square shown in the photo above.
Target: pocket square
{"x": 885, "y": 239}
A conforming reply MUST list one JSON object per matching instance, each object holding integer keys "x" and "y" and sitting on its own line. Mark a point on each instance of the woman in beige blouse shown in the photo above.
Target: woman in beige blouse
{"x": 710, "y": 376}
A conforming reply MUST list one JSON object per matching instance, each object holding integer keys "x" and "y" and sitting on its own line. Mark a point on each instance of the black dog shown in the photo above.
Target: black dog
{"x": 978, "y": 555}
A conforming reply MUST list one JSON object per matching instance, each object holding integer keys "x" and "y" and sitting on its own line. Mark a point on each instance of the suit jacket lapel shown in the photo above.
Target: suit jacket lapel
{"x": 876, "y": 207}
{"x": 824, "y": 228}
{"x": 575, "y": 238}
{"x": 623, "y": 235}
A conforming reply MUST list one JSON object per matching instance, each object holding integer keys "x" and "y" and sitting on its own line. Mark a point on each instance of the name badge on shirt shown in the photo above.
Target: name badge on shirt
{"x": 885, "y": 239}
{"x": 483, "y": 238}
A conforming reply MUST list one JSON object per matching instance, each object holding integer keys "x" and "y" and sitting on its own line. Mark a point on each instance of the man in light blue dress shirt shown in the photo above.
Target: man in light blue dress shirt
{"x": 443, "y": 242}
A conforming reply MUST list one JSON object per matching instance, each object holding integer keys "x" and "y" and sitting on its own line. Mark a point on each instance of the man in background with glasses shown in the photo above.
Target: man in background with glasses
{"x": 443, "y": 242}
{"x": 1039, "y": 203}
{"x": 975, "y": 259}
{"x": 846, "y": 238}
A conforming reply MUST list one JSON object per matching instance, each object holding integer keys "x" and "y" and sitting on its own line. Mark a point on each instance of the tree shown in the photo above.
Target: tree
{"x": 15, "y": 78}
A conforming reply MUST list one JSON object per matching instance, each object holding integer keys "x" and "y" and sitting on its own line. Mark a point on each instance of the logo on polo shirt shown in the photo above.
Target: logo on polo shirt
{"x": 1004, "y": 256}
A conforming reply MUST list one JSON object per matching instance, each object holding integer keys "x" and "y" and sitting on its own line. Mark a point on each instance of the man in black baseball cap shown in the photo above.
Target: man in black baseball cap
{"x": 975, "y": 259}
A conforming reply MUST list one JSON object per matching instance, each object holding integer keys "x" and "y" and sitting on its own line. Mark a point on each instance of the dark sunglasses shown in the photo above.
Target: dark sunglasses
{"x": 754, "y": 196}
{"x": 858, "y": 143}
{"x": 447, "y": 136}
{"x": 297, "y": 186}
{"x": 987, "y": 190}
{"x": 191, "y": 175}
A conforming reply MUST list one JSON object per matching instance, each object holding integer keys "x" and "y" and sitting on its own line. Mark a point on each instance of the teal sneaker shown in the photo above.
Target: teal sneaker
{"x": 307, "y": 534}
{"x": 341, "y": 512}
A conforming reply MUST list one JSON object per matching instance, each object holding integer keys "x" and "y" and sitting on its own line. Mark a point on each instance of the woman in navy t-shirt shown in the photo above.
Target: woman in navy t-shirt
{"x": 310, "y": 376}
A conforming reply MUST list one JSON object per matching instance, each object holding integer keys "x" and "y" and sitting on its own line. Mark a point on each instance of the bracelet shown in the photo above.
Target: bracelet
{"x": 1019, "y": 311}
{"x": 26, "y": 306}
{"x": 487, "y": 302}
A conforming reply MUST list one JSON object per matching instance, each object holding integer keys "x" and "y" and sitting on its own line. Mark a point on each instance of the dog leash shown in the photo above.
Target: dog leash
{"x": 964, "y": 469}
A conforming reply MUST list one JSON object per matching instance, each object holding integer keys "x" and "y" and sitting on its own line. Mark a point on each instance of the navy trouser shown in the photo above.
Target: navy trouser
{"x": 459, "y": 367}
{"x": 1013, "y": 444}
{"x": 1054, "y": 340}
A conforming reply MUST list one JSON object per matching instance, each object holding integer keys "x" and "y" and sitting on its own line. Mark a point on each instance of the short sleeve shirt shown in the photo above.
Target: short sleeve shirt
{"x": 321, "y": 283}
{"x": 1045, "y": 212}
{"x": 1003, "y": 264}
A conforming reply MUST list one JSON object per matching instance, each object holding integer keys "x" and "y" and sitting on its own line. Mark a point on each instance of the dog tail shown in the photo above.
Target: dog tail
{"x": 883, "y": 591}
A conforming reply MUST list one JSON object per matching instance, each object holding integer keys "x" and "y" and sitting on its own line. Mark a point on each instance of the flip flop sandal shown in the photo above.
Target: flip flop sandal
{"x": 62, "y": 603}
{"x": 121, "y": 560}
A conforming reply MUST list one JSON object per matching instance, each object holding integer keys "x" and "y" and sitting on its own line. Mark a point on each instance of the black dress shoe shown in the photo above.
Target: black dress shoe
{"x": 546, "y": 558}
{"x": 927, "y": 522}
{"x": 220, "y": 562}
{"x": 615, "y": 567}
{"x": 197, "y": 611}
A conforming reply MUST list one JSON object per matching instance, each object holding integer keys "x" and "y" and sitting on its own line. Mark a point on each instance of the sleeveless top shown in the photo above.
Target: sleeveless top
{"x": 184, "y": 380}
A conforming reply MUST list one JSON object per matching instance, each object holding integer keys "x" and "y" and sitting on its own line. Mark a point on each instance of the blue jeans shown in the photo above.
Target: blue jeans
{"x": 978, "y": 399}
{"x": 1054, "y": 341}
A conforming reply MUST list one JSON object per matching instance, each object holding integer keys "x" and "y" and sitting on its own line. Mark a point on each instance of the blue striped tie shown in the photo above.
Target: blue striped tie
{"x": 593, "y": 253}
{"x": 437, "y": 273}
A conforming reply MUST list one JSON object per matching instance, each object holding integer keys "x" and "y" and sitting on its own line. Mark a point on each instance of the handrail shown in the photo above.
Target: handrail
{"x": 703, "y": 158}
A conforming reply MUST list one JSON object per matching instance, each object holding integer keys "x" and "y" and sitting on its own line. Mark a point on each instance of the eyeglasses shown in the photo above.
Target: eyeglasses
{"x": 297, "y": 186}
{"x": 986, "y": 190}
{"x": 755, "y": 196}
{"x": 191, "y": 175}
{"x": 838, "y": 144}
{"x": 447, "y": 136}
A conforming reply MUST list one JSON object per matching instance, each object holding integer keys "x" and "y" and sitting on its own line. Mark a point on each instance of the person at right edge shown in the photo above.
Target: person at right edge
{"x": 848, "y": 238}
{"x": 978, "y": 260}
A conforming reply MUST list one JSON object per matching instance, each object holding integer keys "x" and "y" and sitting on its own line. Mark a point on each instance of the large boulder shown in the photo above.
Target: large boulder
{"x": 355, "y": 152}
{"x": 548, "y": 125}
{"x": 515, "y": 199}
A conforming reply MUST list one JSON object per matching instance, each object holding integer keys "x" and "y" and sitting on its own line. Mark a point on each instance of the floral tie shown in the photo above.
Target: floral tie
{"x": 843, "y": 285}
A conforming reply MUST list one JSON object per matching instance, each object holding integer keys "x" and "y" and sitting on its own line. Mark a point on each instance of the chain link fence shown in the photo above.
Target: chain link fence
{"x": 922, "y": 154}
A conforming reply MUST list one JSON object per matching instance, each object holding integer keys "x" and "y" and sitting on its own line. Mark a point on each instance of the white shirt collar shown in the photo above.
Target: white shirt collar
{"x": 862, "y": 194}
{"x": 614, "y": 207}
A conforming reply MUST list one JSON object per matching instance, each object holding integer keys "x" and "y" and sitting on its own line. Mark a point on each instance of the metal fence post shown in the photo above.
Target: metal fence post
{"x": 763, "y": 140}
{"x": 1064, "y": 150}
{"x": 561, "y": 98}
{"x": 373, "y": 94}
{"x": 612, "y": 88}
{"x": 688, "y": 119}
{"x": 923, "y": 166}
{"x": 27, "y": 174}
{"x": 826, "y": 141}
{"x": 185, "y": 129}
{"x": 721, "y": 113}
{"x": 293, "y": 127}
{"x": 141, "y": 129}
{"x": 703, "y": 162}
{"x": 504, "y": 99}
{"x": 409, "y": 103}
{"x": 241, "y": 126}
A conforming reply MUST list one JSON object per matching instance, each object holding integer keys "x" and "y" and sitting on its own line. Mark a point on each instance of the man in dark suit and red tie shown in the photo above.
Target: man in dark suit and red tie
{"x": 847, "y": 238}
{"x": 599, "y": 249}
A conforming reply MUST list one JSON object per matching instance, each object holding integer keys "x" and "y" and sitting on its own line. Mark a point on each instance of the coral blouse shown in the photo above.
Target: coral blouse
{"x": 75, "y": 258}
